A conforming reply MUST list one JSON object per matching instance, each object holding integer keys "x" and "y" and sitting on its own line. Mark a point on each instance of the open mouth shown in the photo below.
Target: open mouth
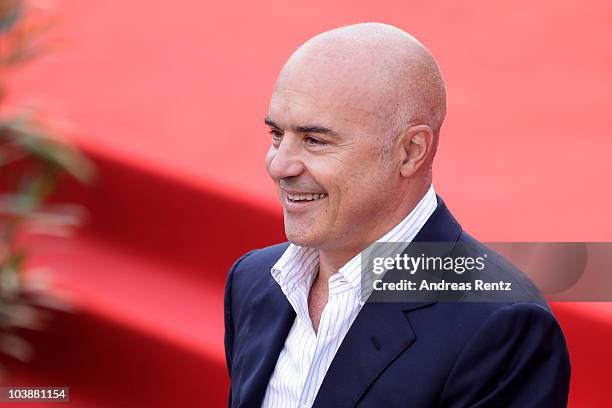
{"x": 297, "y": 198}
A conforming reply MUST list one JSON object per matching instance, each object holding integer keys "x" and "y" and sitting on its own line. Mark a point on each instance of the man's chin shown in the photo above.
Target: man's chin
{"x": 301, "y": 238}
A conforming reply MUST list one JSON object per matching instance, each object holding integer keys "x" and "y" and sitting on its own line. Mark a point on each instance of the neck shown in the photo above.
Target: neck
{"x": 331, "y": 260}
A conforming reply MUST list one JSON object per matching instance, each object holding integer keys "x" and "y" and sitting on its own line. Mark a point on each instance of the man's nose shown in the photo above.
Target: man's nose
{"x": 285, "y": 161}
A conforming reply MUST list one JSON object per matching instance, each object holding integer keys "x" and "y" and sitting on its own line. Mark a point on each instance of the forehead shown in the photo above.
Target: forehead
{"x": 337, "y": 98}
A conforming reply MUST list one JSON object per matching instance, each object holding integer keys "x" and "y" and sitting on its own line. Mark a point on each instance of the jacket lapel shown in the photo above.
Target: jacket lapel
{"x": 380, "y": 333}
{"x": 270, "y": 320}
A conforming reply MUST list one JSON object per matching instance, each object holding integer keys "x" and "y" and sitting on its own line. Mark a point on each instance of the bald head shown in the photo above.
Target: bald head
{"x": 376, "y": 69}
{"x": 354, "y": 121}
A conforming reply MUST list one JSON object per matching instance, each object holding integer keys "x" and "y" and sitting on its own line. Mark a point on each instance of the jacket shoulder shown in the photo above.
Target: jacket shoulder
{"x": 260, "y": 258}
{"x": 253, "y": 268}
{"x": 248, "y": 277}
{"x": 499, "y": 268}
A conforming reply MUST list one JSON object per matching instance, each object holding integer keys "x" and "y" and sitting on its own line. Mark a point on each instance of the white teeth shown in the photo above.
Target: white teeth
{"x": 306, "y": 197}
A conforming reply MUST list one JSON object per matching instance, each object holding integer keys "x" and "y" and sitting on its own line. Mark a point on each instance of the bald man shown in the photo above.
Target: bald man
{"x": 354, "y": 120}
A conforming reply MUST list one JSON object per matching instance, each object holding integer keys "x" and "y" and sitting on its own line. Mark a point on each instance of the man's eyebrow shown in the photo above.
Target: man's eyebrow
{"x": 305, "y": 129}
{"x": 315, "y": 129}
{"x": 270, "y": 122}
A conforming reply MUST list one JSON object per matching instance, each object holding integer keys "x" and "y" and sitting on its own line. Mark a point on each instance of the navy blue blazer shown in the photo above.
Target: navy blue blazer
{"x": 405, "y": 354}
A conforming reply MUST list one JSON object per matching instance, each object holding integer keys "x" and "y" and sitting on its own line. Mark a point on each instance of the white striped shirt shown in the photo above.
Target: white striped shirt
{"x": 306, "y": 355}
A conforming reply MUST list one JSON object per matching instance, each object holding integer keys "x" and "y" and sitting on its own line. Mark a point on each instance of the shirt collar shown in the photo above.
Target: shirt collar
{"x": 297, "y": 266}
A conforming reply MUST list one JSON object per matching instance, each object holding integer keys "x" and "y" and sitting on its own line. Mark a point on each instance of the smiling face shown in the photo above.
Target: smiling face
{"x": 336, "y": 189}
{"x": 353, "y": 119}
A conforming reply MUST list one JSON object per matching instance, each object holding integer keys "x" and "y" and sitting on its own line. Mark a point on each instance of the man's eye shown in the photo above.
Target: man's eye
{"x": 276, "y": 135}
{"x": 314, "y": 142}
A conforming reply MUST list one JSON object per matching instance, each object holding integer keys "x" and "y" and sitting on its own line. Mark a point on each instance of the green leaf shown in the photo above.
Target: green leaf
{"x": 10, "y": 11}
{"x": 26, "y": 134}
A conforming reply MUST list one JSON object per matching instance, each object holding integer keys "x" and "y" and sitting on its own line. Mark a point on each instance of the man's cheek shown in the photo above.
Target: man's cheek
{"x": 279, "y": 193}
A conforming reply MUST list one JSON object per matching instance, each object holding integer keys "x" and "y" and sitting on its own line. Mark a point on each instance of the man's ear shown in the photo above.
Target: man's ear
{"x": 417, "y": 145}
